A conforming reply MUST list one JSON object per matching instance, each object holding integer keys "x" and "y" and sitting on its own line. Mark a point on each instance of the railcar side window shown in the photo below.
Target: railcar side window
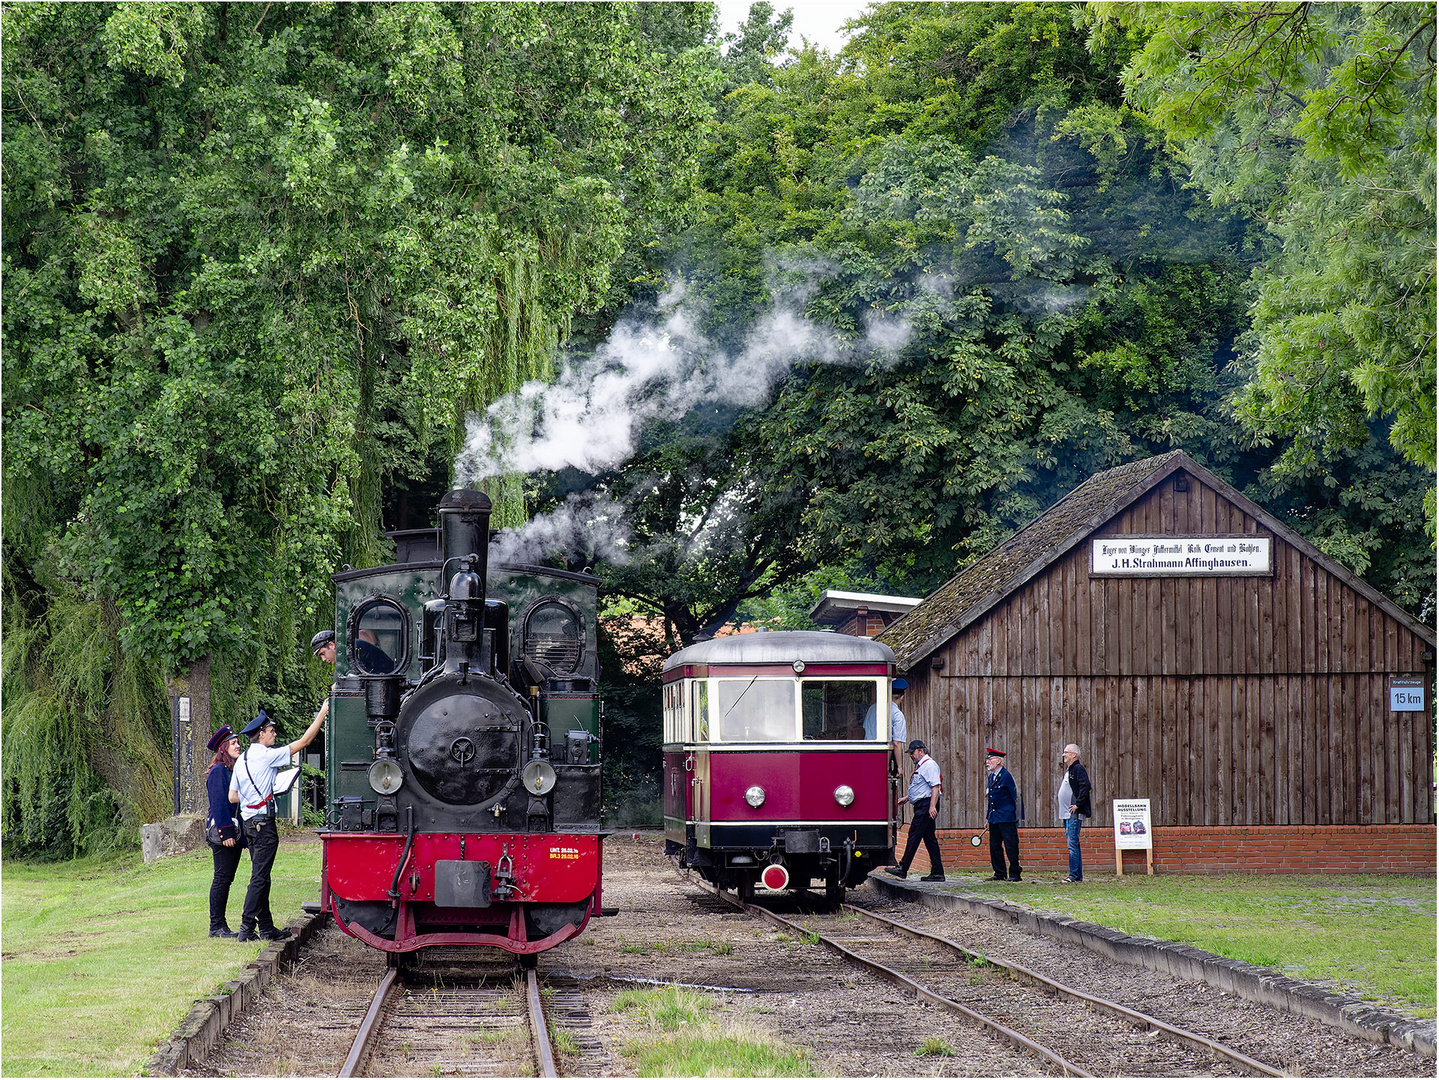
{"x": 702, "y": 711}
{"x": 838, "y": 709}
{"x": 674, "y": 712}
{"x": 756, "y": 710}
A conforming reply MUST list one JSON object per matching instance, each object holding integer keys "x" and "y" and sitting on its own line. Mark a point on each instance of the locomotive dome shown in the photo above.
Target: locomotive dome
{"x": 783, "y": 647}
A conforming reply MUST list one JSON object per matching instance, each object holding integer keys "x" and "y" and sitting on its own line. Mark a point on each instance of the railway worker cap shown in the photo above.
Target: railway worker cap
{"x": 261, "y": 719}
{"x": 990, "y": 751}
{"x": 899, "y": 686}
{"x": 320, "y": 640}
{"x": 221, "y": 737}
{"x": 917, "y": 744}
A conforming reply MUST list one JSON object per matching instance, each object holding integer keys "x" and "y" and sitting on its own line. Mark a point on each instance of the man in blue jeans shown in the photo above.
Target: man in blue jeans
{"x": 1073, "y": 807}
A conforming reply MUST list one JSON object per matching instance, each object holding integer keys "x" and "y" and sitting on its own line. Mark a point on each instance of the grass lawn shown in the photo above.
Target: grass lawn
{"x": 1371, "y": 935}
{"x": 103, "y": 958}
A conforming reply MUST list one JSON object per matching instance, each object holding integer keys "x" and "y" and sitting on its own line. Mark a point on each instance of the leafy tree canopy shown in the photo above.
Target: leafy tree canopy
{"x": 1319, "y": 120}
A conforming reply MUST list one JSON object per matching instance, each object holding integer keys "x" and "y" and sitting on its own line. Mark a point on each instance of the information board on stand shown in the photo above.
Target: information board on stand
{"x": 1133, "y": 831}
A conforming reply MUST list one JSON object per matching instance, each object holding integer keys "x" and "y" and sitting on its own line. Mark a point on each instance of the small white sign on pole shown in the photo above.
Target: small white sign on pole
{"x": 1406, "y": 695}
{"x": 1132, "y": 832}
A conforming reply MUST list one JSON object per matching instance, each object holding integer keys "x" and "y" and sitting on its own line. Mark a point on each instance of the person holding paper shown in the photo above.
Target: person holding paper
{"x": 252, "y": 786}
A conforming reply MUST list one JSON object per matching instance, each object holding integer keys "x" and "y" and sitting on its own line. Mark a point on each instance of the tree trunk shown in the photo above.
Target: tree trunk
{"x": 189, "y": 693}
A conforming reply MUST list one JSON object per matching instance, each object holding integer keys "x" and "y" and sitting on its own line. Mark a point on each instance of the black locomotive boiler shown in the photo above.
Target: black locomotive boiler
{"x": 463, "y": 747}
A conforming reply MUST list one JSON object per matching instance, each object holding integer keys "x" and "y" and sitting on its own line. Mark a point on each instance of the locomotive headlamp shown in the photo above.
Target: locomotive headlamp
{"x": 385, "y": 776}
{"x": 754, "y": 795}
{"x": 538, "y": 777}
{"x": 844, "y": 795}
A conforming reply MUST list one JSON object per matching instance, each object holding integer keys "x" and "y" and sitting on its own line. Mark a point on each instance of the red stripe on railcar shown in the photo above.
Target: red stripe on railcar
{"x": 799, "y": 784}
{"x": 777, "y": 671}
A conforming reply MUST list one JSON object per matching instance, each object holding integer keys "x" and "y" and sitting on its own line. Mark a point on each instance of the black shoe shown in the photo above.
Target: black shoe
{"x": 894, "y": 871}
{"x": 247, "y": 933}
{"x": 1015, "y": 878}
{"x": 932, "y": 877}
{"x": 222, "y": 931}
{"x": 999, "y": 877}
{"x": 273, "y": 934}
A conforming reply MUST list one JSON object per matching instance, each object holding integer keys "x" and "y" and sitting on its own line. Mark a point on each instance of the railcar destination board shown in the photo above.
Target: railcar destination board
{"x": 1189, "y": 556}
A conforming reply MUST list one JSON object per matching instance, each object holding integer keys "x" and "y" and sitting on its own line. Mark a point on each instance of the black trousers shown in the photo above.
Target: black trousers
{"x": 263, "y": 840}
{"x": 227, "y": 861}
{"x": 1007, "y": 834}
{"x": 922, "y": 828}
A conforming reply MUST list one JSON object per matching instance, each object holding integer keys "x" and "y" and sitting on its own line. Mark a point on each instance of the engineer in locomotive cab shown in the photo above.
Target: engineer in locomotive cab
{"x": 371, "y": 657}
{"x": 252, "y": 786}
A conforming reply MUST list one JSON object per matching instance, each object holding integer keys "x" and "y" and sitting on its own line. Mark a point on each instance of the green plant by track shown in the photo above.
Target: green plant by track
{"x": 104, "y": 956}
{"x": 690, "y": 1043}
{"x": 1370, "y": 935}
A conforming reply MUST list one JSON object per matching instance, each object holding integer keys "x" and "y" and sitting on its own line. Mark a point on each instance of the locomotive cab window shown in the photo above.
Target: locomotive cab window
{"x": 379, "y": 637}
{"x": 842, "y": 709}
{"x": 756, "y": 710}
{"x": 554, "y": 635}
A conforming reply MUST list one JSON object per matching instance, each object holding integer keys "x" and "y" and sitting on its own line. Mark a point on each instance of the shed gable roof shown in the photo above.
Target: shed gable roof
{"x": 968, "y": 595}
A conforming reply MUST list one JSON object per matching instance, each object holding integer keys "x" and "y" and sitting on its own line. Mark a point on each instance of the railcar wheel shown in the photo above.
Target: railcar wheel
{"x": 745, "y": 889}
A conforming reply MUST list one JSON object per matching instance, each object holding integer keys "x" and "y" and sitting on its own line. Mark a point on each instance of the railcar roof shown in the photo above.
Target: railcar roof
{"x": 784, "y": 647}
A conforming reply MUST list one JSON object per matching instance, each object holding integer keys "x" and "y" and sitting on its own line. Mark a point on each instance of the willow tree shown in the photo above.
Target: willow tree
{"x": 256, "y": 261}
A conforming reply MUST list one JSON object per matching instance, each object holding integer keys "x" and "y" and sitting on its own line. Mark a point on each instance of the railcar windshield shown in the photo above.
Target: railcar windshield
{"x": 838, "y": 709}
{"x": 756, "y": 710}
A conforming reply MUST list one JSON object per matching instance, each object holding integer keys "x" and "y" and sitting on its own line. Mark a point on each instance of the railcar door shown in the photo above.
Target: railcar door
{"x": 699, "y": 791}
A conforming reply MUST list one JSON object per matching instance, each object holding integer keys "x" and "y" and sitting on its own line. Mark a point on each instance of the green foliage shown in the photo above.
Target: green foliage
{"x": 261, "y": 263}
{"x": 1319, "y": 119}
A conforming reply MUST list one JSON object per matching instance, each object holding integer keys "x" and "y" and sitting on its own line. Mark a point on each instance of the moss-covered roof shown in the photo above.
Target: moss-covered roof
{"x": 962, "y": 599}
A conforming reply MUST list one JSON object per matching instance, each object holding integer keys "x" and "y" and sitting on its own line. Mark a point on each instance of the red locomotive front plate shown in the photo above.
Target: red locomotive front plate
{"x": 549, "y": 868}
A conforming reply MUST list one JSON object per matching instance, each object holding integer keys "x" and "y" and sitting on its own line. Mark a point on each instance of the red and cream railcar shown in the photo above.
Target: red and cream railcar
{"x": 777, "y": 761}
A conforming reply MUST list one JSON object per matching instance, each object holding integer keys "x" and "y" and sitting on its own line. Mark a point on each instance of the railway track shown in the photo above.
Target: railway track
{"x": 1074, "y": 1033}
{"x": 494, "y": 1028}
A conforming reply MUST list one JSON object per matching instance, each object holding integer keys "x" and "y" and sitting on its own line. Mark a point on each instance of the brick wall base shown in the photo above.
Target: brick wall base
{"x": 1259, "y": 849}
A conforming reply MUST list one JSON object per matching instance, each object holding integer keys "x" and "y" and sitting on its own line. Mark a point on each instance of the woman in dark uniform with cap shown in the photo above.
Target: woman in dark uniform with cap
{"x": 222, "y": 824}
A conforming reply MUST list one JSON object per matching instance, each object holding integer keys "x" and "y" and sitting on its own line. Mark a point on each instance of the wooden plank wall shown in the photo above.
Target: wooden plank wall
{"x": 1225, "y": 701}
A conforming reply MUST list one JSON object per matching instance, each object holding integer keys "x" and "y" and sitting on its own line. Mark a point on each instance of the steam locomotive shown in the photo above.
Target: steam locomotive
{"x": 463, "y": 748}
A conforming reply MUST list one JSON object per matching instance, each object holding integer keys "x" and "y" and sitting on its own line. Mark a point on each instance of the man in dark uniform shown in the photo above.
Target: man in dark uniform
{"x": 252, "y": 787}
{"x": 369, "y": 656}
{"x": 1003, "y": 816}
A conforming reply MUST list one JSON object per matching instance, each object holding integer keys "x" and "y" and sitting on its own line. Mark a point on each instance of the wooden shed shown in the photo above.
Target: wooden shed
{"x": 1203, "y": 656}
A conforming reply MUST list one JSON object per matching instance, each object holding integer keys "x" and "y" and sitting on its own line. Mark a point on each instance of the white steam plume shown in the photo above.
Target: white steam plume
{"x": 587, "y": 526}
{"x": 589, "y": 418}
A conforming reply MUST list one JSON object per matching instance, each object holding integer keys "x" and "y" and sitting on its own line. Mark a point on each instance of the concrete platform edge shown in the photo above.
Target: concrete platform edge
{"x": 210, "y": 1017}
{"x": 1264, "y": 985}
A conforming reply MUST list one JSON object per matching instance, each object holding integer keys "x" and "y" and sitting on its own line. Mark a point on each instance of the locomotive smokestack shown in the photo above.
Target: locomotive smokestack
{"x": 464, "y": 533}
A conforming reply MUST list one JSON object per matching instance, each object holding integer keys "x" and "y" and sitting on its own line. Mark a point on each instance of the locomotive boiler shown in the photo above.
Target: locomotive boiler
{"x": 463, "y": 748}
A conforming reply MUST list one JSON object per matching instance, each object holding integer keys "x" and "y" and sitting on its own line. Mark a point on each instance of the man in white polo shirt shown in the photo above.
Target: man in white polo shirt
{"x": 252, "y": 786}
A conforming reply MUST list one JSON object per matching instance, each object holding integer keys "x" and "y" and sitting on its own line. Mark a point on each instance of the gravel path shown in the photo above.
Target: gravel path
{"x": 782, "y": 989}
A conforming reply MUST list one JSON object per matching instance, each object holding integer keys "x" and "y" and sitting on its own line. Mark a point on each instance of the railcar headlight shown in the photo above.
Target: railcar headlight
{"x": 754, "y": 795}
{"x": 844, "y": 795}
{"x": 385, "y": 776}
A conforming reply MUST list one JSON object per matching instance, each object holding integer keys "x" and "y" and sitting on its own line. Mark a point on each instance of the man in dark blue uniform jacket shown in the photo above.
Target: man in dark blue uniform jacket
{"x": 1003, "y": 816}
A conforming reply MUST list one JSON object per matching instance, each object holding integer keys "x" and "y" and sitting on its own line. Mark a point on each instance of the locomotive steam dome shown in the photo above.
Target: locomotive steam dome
{"x": 462, "y": 739}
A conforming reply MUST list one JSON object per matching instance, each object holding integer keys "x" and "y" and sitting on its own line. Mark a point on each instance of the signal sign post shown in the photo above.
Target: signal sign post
{"x": 1132, "y": 831}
